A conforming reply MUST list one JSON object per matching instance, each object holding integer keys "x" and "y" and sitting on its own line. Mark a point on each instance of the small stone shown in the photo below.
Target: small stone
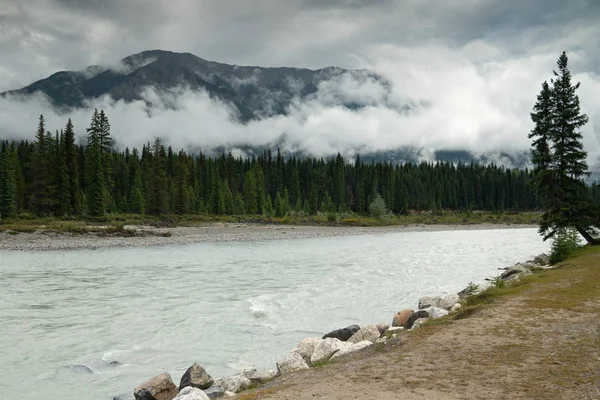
{"x": 234, "y": 383}
{"x": 351, "y": 349}
{"x": 259, "y": 377}
{"x": 381, "y": 340}
{"x": 213, "y": 392}
{"x": 445, "y": 302}
{"x": 418, "y": 323}
{"x": 290, "y": 363}
{"x": 416, "y": 315}
{"x": 307, "y": 347}
{"x": 402, "y": 317}
{"x": 435, "y": 312}
{"x": 456, "y": 307}
{"x": 383, "y": 327}
{"x": 228, "y": 393}
{"x": 197, "y": 377}
{"x": 160, "y": 387}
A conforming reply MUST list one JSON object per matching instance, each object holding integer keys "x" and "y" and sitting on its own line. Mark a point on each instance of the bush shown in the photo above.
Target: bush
{"x": 565, "y": 243}
{"x": 377, "y": 208}
{"x": 471, "y": 289}
{"x": 331, "y": 217}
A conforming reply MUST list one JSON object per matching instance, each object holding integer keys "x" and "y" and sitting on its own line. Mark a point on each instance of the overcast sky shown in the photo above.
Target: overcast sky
{"x": 480, "y": 63}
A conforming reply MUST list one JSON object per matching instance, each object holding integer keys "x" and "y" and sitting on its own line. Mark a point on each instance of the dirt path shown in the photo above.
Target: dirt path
{"x": 539, "y": 341}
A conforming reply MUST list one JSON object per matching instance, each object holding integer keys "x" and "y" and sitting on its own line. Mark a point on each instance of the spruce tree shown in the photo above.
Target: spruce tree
{"x": 70, "y": 156}
{"x": 7, "y": 181}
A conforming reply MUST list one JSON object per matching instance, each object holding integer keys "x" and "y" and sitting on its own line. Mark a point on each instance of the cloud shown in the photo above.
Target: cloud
{"x": 476, "y": 97}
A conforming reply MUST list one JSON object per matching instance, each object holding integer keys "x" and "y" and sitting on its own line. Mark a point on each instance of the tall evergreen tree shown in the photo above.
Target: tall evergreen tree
{"x": 8, "y": 181}
{"x": 70, "y": 155}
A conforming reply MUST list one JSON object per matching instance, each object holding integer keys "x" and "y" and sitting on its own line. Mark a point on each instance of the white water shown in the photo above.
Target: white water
{"x": 224, "y": 305}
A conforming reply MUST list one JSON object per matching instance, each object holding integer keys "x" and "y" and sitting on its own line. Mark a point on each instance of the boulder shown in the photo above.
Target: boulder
{"x": 307, "y": 347}
{"x": 343, "y": 334}
{"x": 351, "y": 349}
{"x": 435, "y": 312}
{"x": 258, "y": 377}
{"x": 402, "y": 317}
{"x": 383, "y": 328}
{"x": 513, "y": 272}
{"x": 160, "y": 387}
{"x": 290, "y": 363}
{"x": 369, "y": 332}
{"x": 234, "y": 383}
{"x": 418, "y": 323}
{"x": 416, "y": 315}
{"x": 214, "y": 392}
{"x": 543, "y": 259}
{"x": 196, "y": 376}
{"x": 328, "y": 348}
{"x": 445, "y": 302}
{"x": 191, "y": 393}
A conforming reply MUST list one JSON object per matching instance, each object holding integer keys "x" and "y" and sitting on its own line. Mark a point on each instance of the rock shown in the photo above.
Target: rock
{"x": 513, "y": 272}
{"x": 343, "y": 334}
{"x": 456, "y": 307}
{"x": 307, "y": 347}
{"x": 328, "y": 348}
{"x": 416, "y": 315}
{"x": 228, "y": 394}
{"x": 381, "y": 340}
{"x": 369, "y": 332}
{"x": 435, "y": 312}
{"x": 258, "y": 377}
{"x": 382, "y": 327}
{"x": 196, "y": 376}
{"x": 191, "y": 393}
{"x": 445, "y": 302}
{"x": 214, "y": 392}
{"x": 290, "y": 363}
{"x": 418, "y": 323}
{"x": 234, "y": 383}
{"x": 543, "y": 259}
{"x": 351, "y": 349}
{"x": 124, "y": 396}
{"x": 82, "y": 369}
{"x": 402, "y": 317}
{"x": 115, "y": 363}
{"x": 160, "y": 387}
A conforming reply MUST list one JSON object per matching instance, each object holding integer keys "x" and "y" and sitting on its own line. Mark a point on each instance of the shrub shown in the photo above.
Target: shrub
{"x": 471, "y": 289}
{"x": 564, "y": 244}
{"x": 377, "y": 208}
{"x": 331, "y": 217}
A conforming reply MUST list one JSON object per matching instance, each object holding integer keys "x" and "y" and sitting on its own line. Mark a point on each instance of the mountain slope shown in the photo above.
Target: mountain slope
{"x": 253, "y": 92}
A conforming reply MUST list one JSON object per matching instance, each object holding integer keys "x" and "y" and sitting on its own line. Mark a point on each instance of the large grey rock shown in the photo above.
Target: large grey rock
{"x": 513, "y": 272}
{"x": 191, "y": 393}
{"x": 214, "y": 392}
{"x": 234, "y": 383}
{"x": 307, "y": 347}
{"x": 415, "y": 316}
{"x": 258, "y": 377}
{"x": 290, "y": 363}
{"x": 418, "y": 323}
{"x": 369, "y": 332}
{"x": 197, "y": 377}
{"x": 445, "y": 302}
{"x": 543, "y": 259}
{"x": 343, "y": 334}
{"x": 328, "y": 348}
{"x": 435, "y": 312}
{"x": 351, "y": 349}
{"x": 160, "y": 387}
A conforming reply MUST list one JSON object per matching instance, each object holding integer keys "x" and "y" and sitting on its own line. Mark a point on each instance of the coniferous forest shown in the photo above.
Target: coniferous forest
{"x": 53, "y": 175}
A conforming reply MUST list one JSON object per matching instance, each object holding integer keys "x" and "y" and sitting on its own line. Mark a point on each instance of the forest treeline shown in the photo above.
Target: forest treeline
{"x": 53, "y": 175}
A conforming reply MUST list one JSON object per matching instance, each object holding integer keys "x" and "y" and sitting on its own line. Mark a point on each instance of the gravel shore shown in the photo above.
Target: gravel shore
{"x": 149, "y": 236}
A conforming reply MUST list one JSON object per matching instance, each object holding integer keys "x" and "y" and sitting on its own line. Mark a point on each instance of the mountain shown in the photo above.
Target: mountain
{"x": 253, "y": 92}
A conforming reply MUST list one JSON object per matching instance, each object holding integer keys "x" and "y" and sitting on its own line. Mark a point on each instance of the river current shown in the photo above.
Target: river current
{"x": 131, "y": 313}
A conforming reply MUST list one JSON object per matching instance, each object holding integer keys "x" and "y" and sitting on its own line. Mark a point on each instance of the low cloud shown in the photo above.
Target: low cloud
{"x": 474, "y": 98}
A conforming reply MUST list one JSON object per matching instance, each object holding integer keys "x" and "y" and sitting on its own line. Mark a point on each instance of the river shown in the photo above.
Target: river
{"x": 226, "y": 306}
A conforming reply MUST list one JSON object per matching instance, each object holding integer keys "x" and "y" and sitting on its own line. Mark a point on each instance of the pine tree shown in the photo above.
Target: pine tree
{"x": 157, "y": 193}
{"x": 40, "y": 201}
{"x": 64, "y": 193}
{"x": 313, "y": 202}
{"x": 70, "y": 156}
{"x": 7, "y": 181}
{"x": 137, "y": 203}
{"x": 95, "y": 164}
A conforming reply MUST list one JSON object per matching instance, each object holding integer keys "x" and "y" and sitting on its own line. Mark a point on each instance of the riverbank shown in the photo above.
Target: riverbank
{"x": 537, "y": 339}
{"x": 103, "y": 236}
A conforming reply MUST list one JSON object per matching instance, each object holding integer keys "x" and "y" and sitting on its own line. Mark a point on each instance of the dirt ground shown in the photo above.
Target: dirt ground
{"x": 541, "y": 341}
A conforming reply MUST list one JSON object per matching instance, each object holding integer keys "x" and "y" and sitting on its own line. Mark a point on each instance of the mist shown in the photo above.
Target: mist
{"x": 474, "y": 98}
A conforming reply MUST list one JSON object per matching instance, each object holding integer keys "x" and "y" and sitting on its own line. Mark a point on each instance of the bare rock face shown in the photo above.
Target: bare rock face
{"x": 191, "y": 393}
{"x": 402, "y": 317}
{"x": 343, "y": 334}
{"x": 160, "y": 387}
{"x": 369, "y": 333}
{"x": 197, "y": 377}
{"x": 290, "y": 363}
{"x": 307, "y": 347}
{"x": 445, "y": 302}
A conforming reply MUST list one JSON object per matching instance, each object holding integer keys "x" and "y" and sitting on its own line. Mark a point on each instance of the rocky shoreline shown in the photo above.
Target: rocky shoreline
{"x": 197, "y": 384}
{"x": 144, "y": 236}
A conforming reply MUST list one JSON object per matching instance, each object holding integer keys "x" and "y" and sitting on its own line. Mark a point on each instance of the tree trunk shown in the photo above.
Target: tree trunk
{"x": 586, "y": 235}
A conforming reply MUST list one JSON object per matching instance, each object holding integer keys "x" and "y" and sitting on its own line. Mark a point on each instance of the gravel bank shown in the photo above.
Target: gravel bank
{"x": 149, "y": 236}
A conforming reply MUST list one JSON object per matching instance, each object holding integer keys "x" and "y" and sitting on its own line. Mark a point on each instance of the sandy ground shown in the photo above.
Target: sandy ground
{"x": 150, "y": 236}
{"x": 525, "y": 347}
